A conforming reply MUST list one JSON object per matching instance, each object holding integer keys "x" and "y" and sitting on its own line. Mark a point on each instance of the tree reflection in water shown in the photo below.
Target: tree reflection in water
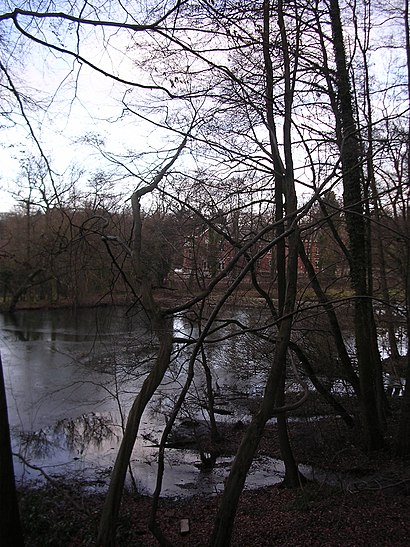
{"x": 77, "y": 435}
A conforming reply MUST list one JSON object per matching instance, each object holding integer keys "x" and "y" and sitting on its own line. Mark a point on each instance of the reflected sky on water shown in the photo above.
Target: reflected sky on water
{"x": 71, "y": 377}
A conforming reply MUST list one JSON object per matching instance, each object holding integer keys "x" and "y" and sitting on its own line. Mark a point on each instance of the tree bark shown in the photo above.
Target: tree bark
{"x": 403, "y": 438}
{"x": 11, "y": 534}
{"x": 109, "y": 516}
{"x": 224, "y": 521}
{"x": 284, "y": 187}
{"x": 284, "y": 184}
{"x": 320, "y": 388}
{"x": 334, "y": 323}
{"x": 366, "y": 337}
{"x": 162, "y": 328}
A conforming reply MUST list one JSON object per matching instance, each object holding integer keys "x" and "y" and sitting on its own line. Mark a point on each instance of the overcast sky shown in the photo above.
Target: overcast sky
{"x": 72, "y": 100}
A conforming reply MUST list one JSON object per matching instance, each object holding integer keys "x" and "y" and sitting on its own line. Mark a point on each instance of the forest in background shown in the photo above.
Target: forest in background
{"x": 62, "y": 257}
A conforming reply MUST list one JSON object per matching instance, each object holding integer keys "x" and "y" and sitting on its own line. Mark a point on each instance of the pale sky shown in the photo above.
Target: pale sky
{"x": 69, "y": 107}
{"x": 72, "y": 103}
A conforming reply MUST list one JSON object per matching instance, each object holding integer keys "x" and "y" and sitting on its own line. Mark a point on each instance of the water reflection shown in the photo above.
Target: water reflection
{"x": 78, "y": 436}
{"x": 71, "y": 378}
{"x": 60, "y": 365}
{"x": 91, "y": 429}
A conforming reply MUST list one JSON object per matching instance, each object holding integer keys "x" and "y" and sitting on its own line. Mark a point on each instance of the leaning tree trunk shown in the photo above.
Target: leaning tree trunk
{"x": 333, "y": 321}
{"x": 366, "y": 337}
{"x": 162, "y": 328}
{"x": 109, "y": 516}
{"x": 224, "y": 522}
{"x": 320, "y": 388}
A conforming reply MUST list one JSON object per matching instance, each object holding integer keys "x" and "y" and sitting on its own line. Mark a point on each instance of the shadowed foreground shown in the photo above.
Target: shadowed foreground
{"x": 317, "y": 515}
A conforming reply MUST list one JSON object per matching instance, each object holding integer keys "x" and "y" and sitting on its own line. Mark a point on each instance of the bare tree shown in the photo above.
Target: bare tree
{"x": 162, "y": 328}
{"x": 11, "y": 532}
{"x": 255, "y": 91}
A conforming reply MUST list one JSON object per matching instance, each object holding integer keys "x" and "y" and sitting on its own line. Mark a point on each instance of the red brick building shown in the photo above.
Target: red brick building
{"x": 206, "y": 254}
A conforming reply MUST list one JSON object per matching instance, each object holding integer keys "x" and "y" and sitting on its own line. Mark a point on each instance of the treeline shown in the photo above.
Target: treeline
{"x": 67, "y": 256}
{"x": 80, "y": 256}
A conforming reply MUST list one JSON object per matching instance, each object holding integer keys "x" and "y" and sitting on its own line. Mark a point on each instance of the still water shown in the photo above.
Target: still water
{"x": 71, "y": 378}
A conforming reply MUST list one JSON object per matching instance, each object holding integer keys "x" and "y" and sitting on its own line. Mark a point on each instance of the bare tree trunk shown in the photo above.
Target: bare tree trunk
{"x": 284, "y": 186}
{"x": 162, "y": 328}
{"x": 292, "y": 477}
{"x": 365, "y": 333}
{"x": 210, "y": 396}
{"x": 403, "y": 438}
{"x": 109, "y": 516}
{"x": 224, "y": 521}
{"x": 320, "y": 388}
{"x": 11, "y": 534}
{"x": 334, "y": 323}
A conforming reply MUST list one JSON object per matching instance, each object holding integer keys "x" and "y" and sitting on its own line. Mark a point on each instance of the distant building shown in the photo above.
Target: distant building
{"x": 207, "y": 253}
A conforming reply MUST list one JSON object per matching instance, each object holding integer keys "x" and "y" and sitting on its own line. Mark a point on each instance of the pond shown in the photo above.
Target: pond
{"x": 71, "y": 377}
